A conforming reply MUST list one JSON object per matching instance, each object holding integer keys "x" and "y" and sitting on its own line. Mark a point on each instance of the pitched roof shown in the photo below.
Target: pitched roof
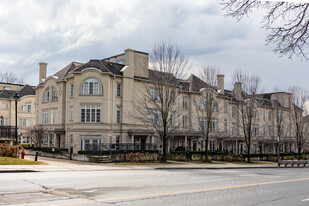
{"x": 24, "y": 91}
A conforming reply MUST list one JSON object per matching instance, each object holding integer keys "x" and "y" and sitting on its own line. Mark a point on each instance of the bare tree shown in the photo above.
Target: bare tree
{"x": 299, "y": 126}
{"x": 206, "y": 114}
{"x": 36, "y": 136}
{"x": 10, "y": 77}
{"x": 209, "y": 75}
{"x": 246, "y": 107}
{"x": 156, "y": 104}
{"x": 286, "y": 22}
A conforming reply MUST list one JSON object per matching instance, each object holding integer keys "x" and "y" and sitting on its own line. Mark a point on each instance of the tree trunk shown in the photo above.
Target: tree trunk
{"x": 248, "y": 153}
{"x": 164, "y": 159}
{"x": 206, "y": 150}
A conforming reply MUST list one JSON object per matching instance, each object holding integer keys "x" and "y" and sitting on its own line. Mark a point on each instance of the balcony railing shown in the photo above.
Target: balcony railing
{"x": 7, "y": 132}
{"x": 121, "y": 147}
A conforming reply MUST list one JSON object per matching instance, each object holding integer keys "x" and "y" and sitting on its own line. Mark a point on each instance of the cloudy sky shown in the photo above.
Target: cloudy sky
{"x": 59, "y": 32}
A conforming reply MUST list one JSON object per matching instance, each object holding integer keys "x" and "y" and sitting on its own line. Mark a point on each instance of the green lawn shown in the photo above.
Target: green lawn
{"x": 17, "y": 161}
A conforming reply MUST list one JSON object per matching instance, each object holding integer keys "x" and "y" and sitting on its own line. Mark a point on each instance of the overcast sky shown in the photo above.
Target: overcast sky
{"x": 60, "y": 32}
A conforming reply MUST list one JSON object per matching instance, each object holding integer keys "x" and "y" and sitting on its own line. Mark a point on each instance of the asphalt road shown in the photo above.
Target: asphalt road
{"x": 266, "y": 186}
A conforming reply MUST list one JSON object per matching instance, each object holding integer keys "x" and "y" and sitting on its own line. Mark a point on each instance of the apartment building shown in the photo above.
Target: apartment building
{"x": 25, "y": 112}
{"x": 89, "y": 105}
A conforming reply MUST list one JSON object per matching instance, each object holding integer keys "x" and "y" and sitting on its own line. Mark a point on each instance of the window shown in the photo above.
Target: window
{"x": 90, "y": 142}
{"x": 45, "y": 138}
{"x": 25, "y": 108}
{"x": 53, "y": 116}
{"x": 118, "y": 115}
{"x": 154, "y": 94}
{"x": 172, "y": 119}
{"x": 269, "y": 130}
{"x": 45, "y": 116}
{"x": 71, "y": 113}
{"x": 71, "y": 140}
{"x": 51, "y": 139}
{"x": 72, "y": 90}
{"x": 54, "y": 96}
{"x": 155, "y": 118}
{"x": 233, "y": 112}
{"x": 203, "y": 104}
{"x": 234, "y": 130}
{"x": 91, "y": 86}
{"x": 214, "y": 125}
{"x": 118, "y": 93}
{"x": 118, "y": 142}
{"x": 173, "y": 97}
{"x": 202, "y": 124}
{"x": 5, "y": 121}
{"x": 256, "y": 130}
{"x": 263, "y": 114}
{"x": 225, "y": 125}
{"x": 212, "y": 145}
{"x": 214, "y": 106}
{"x": 23, "y": 122}
{"x": 90, "y": 113}
{"x": 46, "y": 95}
{"x": 225, "y": 107}
{"x": 185, "y": 102}
{"x": 264, "y": 130}
{"x": 5, "y": 105}
{"x": 184, "y": 121}
{"x": 256, "y": 114}
{"x": 269, "y": 115}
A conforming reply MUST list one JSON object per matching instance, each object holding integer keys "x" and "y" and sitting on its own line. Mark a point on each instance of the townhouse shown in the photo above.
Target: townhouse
{"x": 25, "y": 112}
{"x": 89, "y": 106}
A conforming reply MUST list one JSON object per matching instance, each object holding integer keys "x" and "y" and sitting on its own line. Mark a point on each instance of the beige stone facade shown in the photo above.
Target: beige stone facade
{"x": 25, "y": 112}
{"x": 89, "y": 105}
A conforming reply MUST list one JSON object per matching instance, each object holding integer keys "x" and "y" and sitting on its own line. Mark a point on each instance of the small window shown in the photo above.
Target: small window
{"x": 71, "y": 113}
{"x": 118, "y": 93}
{"x": 25, "y": 108}
{"x": 45, "y": 116}
{"x": 72, "y": 90}
{"x": 185, "y": 121}
{"x": 71, "y": 140}
{"x": 154, "y": 94}
{"x": 5, "y": 105}
{"x": 118, "y": 115}
{"x": 233, "y": 112}
{"x": 269, "y": 115}
{"x": 185, "y": 102}
{"x": 53, "y": 116}
{"x": 173, "y": 97}
{"x": 225, "y": 125}
{"x": 225, "y": 107}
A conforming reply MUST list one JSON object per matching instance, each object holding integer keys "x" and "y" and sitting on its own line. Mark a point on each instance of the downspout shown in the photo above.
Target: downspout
{"x": 111, "y": 135}
{"x": 66, "y": 114}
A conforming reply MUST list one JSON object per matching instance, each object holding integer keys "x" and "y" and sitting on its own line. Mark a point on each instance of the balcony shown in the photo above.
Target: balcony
{"x": 7, "y": 132}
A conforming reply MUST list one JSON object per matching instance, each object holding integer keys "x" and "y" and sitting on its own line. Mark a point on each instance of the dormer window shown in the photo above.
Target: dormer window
{"x": 91, "y": 86}
{"x": 54, "y": 96}
{"x": 46, "y": 95}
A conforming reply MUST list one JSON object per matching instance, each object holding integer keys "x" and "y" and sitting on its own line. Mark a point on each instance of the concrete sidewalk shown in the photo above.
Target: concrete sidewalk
{"x": 61, "y": 165}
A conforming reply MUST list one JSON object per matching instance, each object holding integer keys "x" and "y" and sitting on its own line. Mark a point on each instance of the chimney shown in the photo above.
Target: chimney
{"x": 220, "y": 82}
{"x": 237, "y": 92}
{"x": 42, "y": 74}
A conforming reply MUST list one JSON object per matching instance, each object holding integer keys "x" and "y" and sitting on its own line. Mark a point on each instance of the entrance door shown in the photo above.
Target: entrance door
{"x": 143, "y": 143}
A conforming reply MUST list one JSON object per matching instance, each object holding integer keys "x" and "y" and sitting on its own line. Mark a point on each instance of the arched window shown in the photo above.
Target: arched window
{"x": 25, "y": 108}
{"x": 46, "y": 95}
{"x": 91, "y": 86}
{"x": 54, "y": 96}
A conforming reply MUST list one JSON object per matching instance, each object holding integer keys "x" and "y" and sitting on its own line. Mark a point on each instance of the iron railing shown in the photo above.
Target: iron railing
{"x": 121, "y": 147}
{"x": 7, "y": 132}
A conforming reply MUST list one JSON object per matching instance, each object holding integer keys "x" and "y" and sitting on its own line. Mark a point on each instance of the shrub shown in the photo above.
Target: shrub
{"x": 138, "y": 157}
{"x": 7, "y": 150}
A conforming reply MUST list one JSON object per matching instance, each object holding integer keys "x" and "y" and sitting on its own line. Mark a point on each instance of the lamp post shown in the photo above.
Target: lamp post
{"x": 278, "y": 150}
{"x": 1, "y": 121}
{"x": 16, "y": 97}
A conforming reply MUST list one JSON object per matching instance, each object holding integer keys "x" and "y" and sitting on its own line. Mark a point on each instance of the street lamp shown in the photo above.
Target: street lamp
{"x": 1, "y": 117}
{"x": 16, "y": 97}
{"x": 278, "y": 150}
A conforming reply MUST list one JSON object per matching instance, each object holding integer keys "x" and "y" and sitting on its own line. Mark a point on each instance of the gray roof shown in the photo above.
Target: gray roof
{"x": 24, "y": 91}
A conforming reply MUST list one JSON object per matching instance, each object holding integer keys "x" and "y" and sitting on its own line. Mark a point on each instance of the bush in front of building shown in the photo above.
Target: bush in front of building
{"x": 138, "y": 157}
{"x": 7, "y": 150}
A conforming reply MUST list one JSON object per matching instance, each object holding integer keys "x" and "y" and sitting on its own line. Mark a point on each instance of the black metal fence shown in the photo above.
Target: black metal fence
{"x": 97, "y": 149}
{"x": 7, "y": 132}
